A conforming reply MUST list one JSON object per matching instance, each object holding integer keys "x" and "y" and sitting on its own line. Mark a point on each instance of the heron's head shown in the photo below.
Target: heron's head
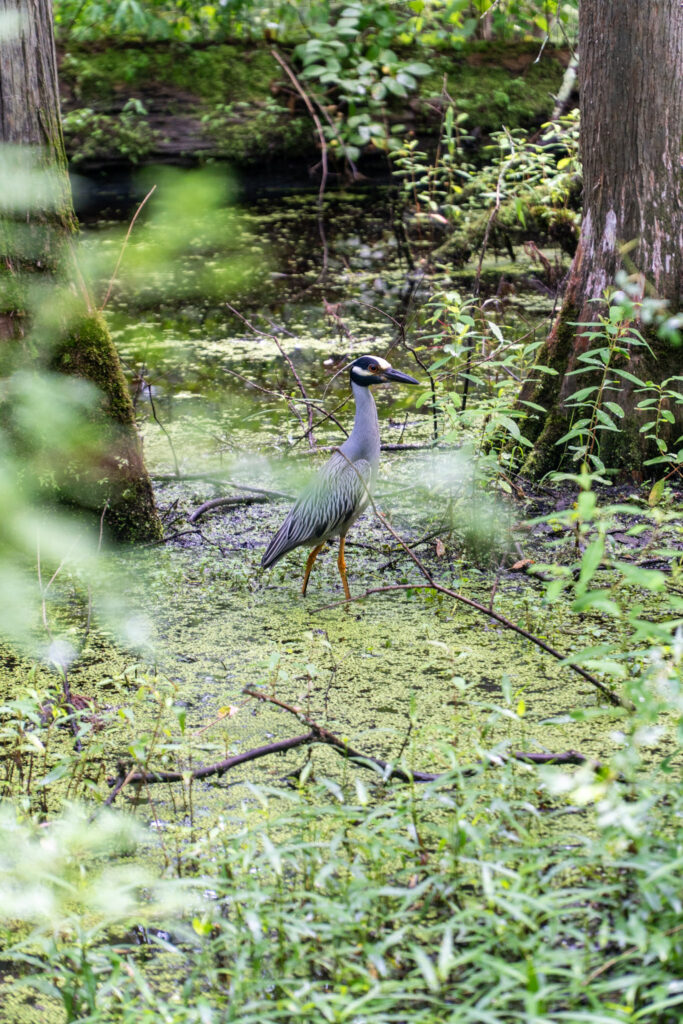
{"x": 374, "y": 370}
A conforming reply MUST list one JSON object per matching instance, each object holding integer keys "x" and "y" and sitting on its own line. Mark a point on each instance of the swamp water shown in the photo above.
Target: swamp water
{"x": 388, "y": 673}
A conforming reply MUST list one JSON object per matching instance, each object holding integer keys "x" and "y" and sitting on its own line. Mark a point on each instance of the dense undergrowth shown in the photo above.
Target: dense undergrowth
{"x": 499, "y": 892}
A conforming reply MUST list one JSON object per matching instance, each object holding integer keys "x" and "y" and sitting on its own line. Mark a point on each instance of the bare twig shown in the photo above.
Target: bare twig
{"x": 622, "y": 956}
{"x": 401, "y": 550}
{"x": 323, "y": 150}
{"x": 62, "y": 669}
{"x": 273, "y": 337}
{"x": 278, "y": 394}
{"x": 401, "y": 327}
{"x": 123, "y": 248}
{"x": 432, "y": 584}
{"x": 162, "y": 428}
{"x": 99, "y": 548}
{"x": 477, "y": 279}
{"x": 327, "y": 416}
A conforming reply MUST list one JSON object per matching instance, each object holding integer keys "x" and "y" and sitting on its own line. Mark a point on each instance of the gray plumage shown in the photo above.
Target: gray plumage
{"x": 339, "y": 493}
{"x": 341, "y": 490}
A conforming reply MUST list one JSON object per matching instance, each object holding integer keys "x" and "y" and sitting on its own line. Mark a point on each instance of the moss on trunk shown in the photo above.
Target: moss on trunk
{"x": 119, "y": 481}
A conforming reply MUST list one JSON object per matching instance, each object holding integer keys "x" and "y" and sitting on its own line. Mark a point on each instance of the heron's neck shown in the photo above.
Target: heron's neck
{"x": 363, "y": 442}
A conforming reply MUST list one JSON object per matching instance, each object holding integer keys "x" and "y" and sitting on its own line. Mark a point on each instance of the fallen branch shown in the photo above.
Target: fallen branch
{"x": 319, "y": 734}
{"x": 322, "y": 735}
{"x": 172, "y": 536}
{"x": 429, "y": 446}
{"x": 242, "y": 499}
{"x": 220, "y": 478}
{"x": 152, "y": 777}
{"x": 611, "y": 695}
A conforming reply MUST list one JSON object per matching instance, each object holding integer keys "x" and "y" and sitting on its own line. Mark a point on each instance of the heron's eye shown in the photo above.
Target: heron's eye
{"x": 374, "y": 368}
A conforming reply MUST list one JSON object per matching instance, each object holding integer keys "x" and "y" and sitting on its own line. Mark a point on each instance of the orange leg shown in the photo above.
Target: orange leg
{"x": 309, "y": 565}
{"x": 341, "y": 562}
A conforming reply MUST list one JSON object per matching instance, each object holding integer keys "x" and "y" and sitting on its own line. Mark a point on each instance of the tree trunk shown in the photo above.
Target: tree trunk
{"x": 36, "y": 240}
{"x": 631, "y": 98}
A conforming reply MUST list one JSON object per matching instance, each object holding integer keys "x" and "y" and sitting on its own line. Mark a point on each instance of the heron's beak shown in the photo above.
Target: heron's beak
{"x": 400, "y": 378}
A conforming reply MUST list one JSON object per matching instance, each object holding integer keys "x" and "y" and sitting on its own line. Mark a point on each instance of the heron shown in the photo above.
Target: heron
{"x": 335, "y": 498}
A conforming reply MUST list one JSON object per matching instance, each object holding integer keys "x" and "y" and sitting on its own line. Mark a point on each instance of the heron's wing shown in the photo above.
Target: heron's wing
{"x": 333, "y": 499}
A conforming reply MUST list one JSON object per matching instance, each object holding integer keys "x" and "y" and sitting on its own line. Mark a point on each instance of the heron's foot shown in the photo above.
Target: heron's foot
{"x": 341, "y": 563}
{"x": 309, "y": 565}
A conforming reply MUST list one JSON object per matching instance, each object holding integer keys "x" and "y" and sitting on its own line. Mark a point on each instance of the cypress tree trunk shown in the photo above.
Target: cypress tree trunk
{"x": 631, "y": 97}
{"x": 36, "y": 241}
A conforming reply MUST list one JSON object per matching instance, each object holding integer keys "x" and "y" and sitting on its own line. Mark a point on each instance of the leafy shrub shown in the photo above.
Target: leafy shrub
{"x": 526, "y": 189}
{"x": 90, "y": 136}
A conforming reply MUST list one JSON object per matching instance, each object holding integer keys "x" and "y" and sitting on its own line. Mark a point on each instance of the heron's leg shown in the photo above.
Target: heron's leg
{"x": 309, "y": 565}
{"x": 341, "y": 562}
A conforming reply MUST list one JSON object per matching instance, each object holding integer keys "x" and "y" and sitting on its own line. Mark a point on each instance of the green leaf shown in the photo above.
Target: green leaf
{"x": 655, "y": 495}
{"x": 554, "y": 589}
{"x": 606, "y": 420}
{"x": 394, "y": 86}
{"x": 629, "y": 376}
{"x": 592, "y": 557}
{"x": 583, "y": 393}
{"x": 418, "y": 68}
{"x": 495, "y": 330}
{"x": 649, "y": 579}
{"x": 426, "y": 968}
{"x": 616, "y": 409}
{"x": 597, "y": 600}
{"x": 58, "y": 772}
{"x": 513, "y": 429}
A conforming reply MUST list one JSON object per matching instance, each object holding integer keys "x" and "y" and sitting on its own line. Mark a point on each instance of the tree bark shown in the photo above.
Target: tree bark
{"x": 631, "y": 100}
{"x": 36, "y": 233}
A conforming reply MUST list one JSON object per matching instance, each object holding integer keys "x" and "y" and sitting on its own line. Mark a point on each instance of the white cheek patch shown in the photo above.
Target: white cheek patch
{"x": 360, "y": 372}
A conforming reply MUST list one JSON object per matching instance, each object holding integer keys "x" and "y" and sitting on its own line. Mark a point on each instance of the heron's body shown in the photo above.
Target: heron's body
{"x": 340, "y": 492}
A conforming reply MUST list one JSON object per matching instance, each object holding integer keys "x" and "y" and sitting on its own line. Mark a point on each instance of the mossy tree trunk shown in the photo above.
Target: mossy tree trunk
{"x": 36, "y": 241}
{"x": 631, "y": 97}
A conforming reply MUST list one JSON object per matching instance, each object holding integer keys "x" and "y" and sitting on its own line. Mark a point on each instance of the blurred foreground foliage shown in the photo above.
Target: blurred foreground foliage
{"x": 59, "y": 431}
{"x": 496, "y": 894}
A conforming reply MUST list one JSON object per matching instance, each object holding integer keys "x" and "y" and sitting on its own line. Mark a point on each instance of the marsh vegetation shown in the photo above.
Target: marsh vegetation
{"x": 457, "y": 796}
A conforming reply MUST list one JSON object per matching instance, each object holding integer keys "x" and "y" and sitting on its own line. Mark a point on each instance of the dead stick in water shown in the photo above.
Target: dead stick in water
{"x": 319, "y": 734}
{"x": 235, "y": 499}
{"x": 431, "y": 584}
